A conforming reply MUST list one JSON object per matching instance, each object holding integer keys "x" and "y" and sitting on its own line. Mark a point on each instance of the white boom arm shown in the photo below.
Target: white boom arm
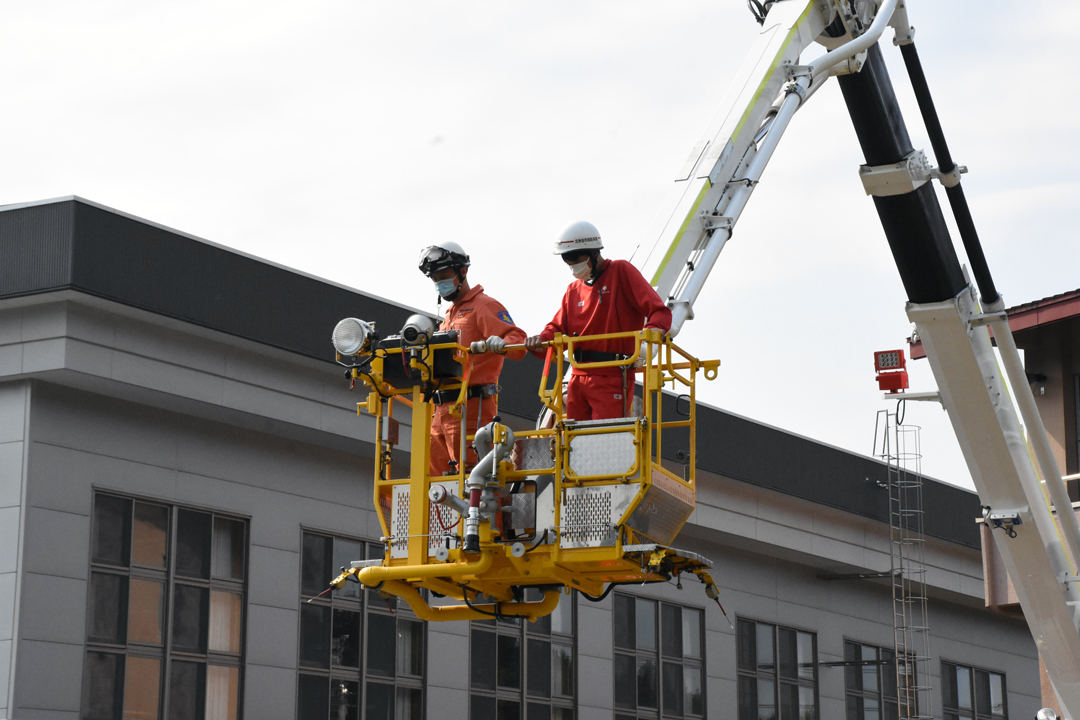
{"x": 717, "y": 181}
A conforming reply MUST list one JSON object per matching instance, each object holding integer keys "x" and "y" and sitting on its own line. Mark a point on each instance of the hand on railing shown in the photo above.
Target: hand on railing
{"x": 534, "y": 343}
{"x": 483, "y": 346}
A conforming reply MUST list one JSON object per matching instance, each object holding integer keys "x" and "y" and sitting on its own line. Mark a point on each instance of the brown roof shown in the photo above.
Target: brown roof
{"x": 1047, "y": 310}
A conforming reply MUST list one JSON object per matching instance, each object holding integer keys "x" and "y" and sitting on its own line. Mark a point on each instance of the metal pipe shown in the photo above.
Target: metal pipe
{"x": 376, "y": 575}
{"x": 681, "y": 307}
{"x": 834, "y": 57}
{"x": 530, "y": 610}
{"x": 1040, "y": 442}
{"x": 968, "y": 235}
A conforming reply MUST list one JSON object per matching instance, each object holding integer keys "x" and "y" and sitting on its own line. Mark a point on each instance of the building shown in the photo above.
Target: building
{"x": 182, "y": 469}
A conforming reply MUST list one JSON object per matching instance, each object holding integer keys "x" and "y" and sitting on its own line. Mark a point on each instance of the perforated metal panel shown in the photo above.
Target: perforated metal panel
{"x": 590, "y": 514}
{"x": 605, "y": 454}
{"x": 664, "y": 509}
{"x": 399, "y": 522}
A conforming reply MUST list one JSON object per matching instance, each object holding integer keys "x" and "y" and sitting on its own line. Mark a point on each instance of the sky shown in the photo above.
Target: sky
{"x": 341, "y": 137}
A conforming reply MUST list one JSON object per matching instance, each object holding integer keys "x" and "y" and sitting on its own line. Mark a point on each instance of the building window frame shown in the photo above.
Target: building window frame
{"x": 166, "y": 596}
{"x": 970, "y": 692}
{"x": 530, "y": 666}
{"x": 353, "y": 684}
{"x": 658, "y": 656}
{"x": 776, "y": 667}
{"x": 863, "y": 662}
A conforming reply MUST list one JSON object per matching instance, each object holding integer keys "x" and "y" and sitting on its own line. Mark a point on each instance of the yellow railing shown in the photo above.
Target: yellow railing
{"x": 423, "y": 550}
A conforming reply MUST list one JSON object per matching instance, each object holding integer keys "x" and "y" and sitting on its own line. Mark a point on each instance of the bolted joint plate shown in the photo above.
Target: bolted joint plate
{"x": 900, "y": 178}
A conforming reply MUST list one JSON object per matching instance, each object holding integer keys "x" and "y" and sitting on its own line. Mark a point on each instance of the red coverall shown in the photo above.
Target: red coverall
{"x": 618, "y": 299}
{"x": 475, "y": 316}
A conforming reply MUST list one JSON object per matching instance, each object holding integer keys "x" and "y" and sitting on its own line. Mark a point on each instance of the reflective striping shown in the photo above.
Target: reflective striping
{"x": 682, "y": 228}
{"x": 772, "y": 68}
{"x": 676, "y": 241}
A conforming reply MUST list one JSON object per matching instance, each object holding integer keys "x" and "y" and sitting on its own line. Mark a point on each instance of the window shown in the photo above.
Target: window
{"x": 658, "y": 659}
{"x": 357, "y": 650}
{"x": 165, "y": 615}
{"x": 777, "y": 668}
{"x": 517, "y": 666}
{"x": 968, "y": 692}
{"x": 871, "y": 684}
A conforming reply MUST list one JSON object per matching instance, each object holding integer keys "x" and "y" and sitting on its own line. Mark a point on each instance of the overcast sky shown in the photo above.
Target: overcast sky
{"x": 341, "y": 137}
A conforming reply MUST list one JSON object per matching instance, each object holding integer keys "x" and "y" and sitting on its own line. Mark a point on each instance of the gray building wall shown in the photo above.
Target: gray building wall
{"x": 98, "y": 395}
{"x": 82, "y": 441}
{"x": 14, "y": 433}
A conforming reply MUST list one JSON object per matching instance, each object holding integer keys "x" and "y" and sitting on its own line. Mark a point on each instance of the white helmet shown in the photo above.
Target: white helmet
{"x": 447, "y": 254}
{"x": 578, "y": 236}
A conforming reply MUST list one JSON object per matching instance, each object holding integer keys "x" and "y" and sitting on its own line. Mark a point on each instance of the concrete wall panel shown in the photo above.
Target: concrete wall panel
{"x": 596, "y": 640}
{"x": 595, "y": 682}
{"x": 59, "y": 662}
{"x": 272, "y": 636}
{"x": 59, "y": 609}
{"x": 11, "y": 360}
{"x": 448, "y": 664}
{"x": 443, "y": 702}
{"x": 57, "y": 543}
{"x": 13, "y": 399}
{"x": 11, "y": 472}
{"x": 63, "y": 478}
{"x": 5, "y": 673}
{"x": 10, "y": 519}
{"x": 269, "y": 693}
{"x": 273, "y": 577}
{"x": 43, "y": 322}
{"x": 7, "y": 610}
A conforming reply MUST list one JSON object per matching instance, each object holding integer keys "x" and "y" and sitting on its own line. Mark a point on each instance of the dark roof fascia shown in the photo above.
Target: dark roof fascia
{"x": 72, "y": 244}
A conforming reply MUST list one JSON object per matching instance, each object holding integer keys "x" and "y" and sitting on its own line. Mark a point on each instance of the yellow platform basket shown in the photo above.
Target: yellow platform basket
{"x": 571, "y": 505}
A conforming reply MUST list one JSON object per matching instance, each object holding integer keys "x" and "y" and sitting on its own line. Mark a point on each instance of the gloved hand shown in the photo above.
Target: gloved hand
{"x": 496, "y": 344}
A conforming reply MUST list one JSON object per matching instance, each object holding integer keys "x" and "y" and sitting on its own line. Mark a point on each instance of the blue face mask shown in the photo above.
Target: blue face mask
{"x": 445, "y": 288}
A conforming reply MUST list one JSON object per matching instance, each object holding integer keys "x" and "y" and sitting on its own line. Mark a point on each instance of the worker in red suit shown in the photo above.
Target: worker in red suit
{"x": 607, "y": 296}
{"x": 475, "y": 316}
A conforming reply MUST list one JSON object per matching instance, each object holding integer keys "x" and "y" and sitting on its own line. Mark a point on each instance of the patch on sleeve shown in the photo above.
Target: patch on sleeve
{"x": 505, "y": 317}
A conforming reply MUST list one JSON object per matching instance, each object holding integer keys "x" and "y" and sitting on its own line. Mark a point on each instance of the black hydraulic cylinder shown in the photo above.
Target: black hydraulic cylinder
{"x": 957, "y": 201}
{"x": 913, "y": 223}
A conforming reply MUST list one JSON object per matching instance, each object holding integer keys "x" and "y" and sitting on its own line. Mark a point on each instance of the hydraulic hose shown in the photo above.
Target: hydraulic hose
{"x": 968, "y": 235}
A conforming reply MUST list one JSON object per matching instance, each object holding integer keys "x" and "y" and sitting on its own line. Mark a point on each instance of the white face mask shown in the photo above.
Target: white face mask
{"x": 581, "y": 270}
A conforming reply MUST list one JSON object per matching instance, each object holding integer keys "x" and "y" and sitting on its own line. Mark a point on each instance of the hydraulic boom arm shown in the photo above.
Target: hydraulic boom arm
{"x": 954, "y": 322}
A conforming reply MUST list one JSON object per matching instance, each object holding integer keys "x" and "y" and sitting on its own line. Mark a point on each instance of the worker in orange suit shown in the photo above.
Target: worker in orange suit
{"x": 607, "y": 296}
{"x": 475, "y": 316}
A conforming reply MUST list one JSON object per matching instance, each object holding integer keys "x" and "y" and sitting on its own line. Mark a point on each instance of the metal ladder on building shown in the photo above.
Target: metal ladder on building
{"x": 899, "y": 446}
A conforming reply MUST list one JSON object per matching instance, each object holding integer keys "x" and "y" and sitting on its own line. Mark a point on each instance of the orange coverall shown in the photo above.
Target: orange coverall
{"x": 475, "y": 316}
